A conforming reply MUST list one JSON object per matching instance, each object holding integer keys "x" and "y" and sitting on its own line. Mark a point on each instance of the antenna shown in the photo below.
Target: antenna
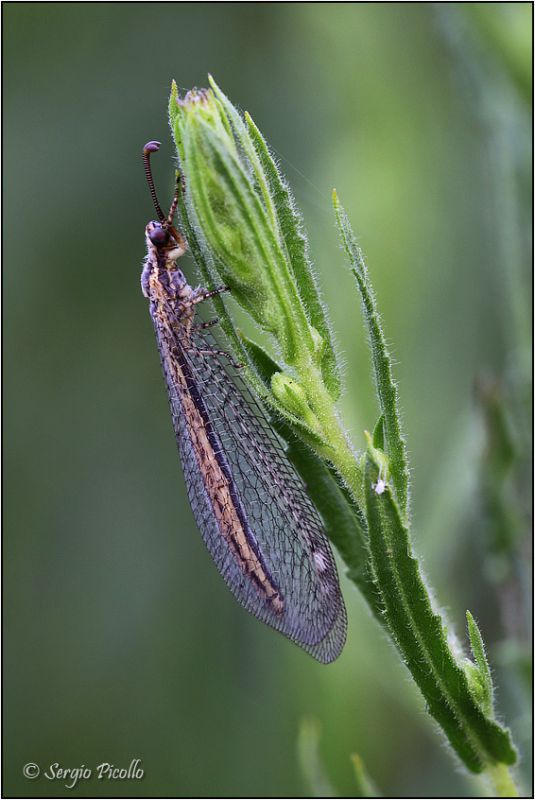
{"x": 152, "y": 147}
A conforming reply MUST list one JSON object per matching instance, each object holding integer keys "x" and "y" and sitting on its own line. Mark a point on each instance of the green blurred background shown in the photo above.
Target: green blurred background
{"x": 121, "y": 640}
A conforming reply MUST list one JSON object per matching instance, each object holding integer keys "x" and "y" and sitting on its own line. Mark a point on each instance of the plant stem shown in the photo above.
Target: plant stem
{"x": 501, "y": 781}
{"x": 338, "y": 451}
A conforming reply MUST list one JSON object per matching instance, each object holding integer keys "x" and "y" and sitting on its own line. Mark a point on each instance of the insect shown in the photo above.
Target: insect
{"x": 251, "y": 507}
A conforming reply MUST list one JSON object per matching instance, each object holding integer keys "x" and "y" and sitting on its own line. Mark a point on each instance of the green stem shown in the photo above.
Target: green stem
{"x": 338, "y": 450}
{"x": 501, "y": 781}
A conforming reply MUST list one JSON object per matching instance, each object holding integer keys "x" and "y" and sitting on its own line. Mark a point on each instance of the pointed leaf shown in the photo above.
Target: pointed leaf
{"x": 420, "y": 635}
{"x": 379, "y": 434}
{"x": 382, "y": 365}
{"x": 478, "y": 650}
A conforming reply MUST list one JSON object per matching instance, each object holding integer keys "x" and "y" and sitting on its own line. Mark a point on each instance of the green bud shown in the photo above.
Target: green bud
{"x": 220, "y": 198}
{"x": 241, "y": 212}
{"x": 478, "y": 686}
{"x": 294, "y": 399}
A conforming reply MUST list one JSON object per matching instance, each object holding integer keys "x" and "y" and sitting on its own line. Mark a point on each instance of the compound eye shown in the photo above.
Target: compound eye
{"x": 158, "y": 234}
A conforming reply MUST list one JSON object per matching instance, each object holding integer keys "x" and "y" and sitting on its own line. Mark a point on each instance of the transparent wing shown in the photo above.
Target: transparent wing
{"x": 283, "y": 529}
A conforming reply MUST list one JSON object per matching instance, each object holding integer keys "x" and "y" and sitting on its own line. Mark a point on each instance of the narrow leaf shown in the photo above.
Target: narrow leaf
{"x": 378, "y": 436}
{"x": 420, "y": 636}
{"x": 382, "y": 365}
{"x": 478, "y": 650}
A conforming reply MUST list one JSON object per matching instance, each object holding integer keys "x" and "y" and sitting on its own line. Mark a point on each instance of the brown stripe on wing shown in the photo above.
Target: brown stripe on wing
{"x": 218, "y": 482}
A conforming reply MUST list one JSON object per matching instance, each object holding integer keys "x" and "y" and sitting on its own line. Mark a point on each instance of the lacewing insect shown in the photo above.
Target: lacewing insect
{"x": 251, "y": 507}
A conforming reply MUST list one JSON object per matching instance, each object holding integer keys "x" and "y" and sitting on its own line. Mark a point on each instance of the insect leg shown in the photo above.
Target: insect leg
{"x": 174, "y": 204}
{"x": 224, "y": 353}
{"x": 202, "y": 325}
{"x": 204, "y": 294}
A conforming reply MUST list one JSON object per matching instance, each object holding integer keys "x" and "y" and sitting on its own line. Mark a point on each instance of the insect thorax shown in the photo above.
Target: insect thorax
{"x": 161, "y": 279}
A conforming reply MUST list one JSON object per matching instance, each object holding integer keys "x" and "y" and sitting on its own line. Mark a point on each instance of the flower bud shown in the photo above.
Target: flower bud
{"x": 223, "y": 204}
{"x": 294, "y": 399}
{"x": 247, "y": 229}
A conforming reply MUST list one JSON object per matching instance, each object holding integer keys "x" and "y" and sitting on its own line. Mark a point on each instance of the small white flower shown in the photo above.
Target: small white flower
{"x": 381, "y": 484}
